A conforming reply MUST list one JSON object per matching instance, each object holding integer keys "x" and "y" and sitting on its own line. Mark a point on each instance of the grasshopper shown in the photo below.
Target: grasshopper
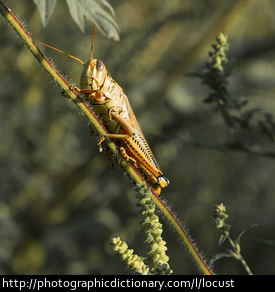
{"x": 109, "y": 102}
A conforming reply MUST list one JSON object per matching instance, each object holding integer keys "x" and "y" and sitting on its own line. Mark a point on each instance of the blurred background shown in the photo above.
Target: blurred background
{"x": 61, "y": 202}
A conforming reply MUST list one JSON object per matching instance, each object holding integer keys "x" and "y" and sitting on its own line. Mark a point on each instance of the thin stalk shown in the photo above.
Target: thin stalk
{"x": 237, "y": 255}
{"x": 133, "y": 173}
{"x": 185, "y": 238}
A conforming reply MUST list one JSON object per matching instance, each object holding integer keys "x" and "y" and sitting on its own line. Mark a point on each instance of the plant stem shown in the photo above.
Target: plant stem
{"x": 237, "y": 255}
{"x": 133, "y": 173}
{"x": 189, "y": 245}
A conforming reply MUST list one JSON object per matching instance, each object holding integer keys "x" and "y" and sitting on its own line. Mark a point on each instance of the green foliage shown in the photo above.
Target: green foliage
{"x": 220, "y": 216}
{"x": 60, "y": 202}
{"x": 216, "y": 75}
{"x": 133, "y": 263}
{"x": 231, "y": 106}
{"x": 45, "y": 8}
{"x": 152, "y": 229}
{"x": 81, "y": 10}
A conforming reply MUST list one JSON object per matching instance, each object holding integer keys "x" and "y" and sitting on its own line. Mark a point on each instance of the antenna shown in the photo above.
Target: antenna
{"x": 92, "y": 44}
{"x": 62, "y": 53}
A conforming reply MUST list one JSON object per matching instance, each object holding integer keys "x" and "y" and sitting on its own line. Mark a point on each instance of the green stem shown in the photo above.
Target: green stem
{"x": 245, "y": 266}
{"x": 238, "y": 255}
{"x": 133, "y": 173}
{"x": 191, "y": 248}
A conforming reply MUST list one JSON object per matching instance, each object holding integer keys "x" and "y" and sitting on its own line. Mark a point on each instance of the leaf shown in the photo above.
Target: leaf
{"x": 222, "y": 239}
{"x": 231, "y": 65}
{"x": 238, "y": 237}
{"x": 227, "y": 118}
{"x": 219, "y": 256}
{"x": 92, "y": 10}
{"x": 211, "y": 97}
{"x": 250, "y": 113}
{"x": 268, "y": 118}
{"x": 45, "y": 8}
{"x": 266, "y": 131}
{"x": 265, "y": 241}
{"x": 241, "y": 104}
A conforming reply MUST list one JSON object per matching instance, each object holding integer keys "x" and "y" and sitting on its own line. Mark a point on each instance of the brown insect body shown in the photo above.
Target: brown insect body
{"x": 111, "y": 104}
{"x": 107, "y": 99}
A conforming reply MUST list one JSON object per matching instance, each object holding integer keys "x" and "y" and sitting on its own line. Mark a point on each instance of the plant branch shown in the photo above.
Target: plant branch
{"x": 220, "y": 216}
{"x": 132, "y": 172}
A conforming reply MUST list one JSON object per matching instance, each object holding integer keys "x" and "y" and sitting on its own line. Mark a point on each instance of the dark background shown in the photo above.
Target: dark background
{"x": 60, "y": 201}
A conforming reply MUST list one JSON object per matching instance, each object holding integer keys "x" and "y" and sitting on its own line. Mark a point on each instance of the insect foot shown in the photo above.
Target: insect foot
{"x": 99, "y": 142}
{"x": 127, "y": 157}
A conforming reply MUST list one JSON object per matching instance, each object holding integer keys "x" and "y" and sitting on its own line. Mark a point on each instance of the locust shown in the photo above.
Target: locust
{"x": 112, "y": 106}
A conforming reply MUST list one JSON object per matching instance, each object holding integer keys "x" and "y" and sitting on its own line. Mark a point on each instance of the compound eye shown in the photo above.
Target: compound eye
{"x": 99, "y": 65}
